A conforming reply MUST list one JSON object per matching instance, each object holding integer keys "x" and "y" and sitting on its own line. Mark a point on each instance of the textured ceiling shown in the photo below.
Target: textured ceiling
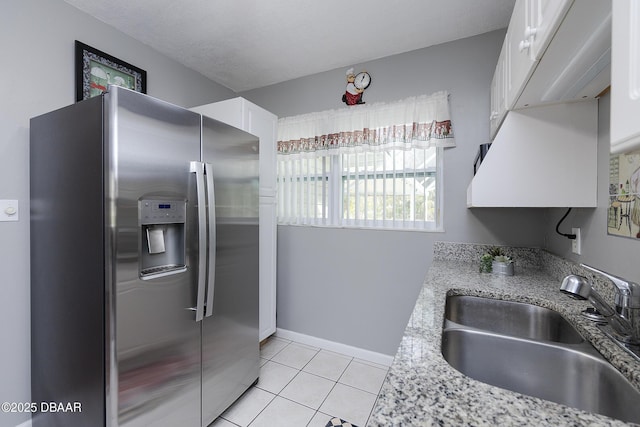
{"x": 247, "y": 44}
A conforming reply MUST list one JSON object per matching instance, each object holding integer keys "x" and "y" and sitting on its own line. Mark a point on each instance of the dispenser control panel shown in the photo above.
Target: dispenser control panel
{"x": 162, "y": 211}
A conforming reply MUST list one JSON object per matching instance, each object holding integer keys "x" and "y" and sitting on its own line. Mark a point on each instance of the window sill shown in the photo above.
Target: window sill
{"x": 353, "y": 227}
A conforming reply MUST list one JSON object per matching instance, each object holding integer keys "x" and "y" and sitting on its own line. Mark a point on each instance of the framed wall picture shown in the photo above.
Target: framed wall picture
{"x": 623, "y": 217}
{"x": 95, "y": 70}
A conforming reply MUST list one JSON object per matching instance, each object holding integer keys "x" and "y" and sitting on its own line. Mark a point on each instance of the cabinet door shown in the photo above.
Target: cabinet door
{"x": 544, "y": 18}
{"x": 229, "y": 111}
{"x": 625, "y": 76}
{"x": 264, "y": 124}
{"x": 520, "y": 65}
{"x": 498, "y": 93}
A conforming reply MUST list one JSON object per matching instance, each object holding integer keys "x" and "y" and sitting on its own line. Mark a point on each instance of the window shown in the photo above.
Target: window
{"x": 392, "y": 188}
{"x": 374, "y": 177}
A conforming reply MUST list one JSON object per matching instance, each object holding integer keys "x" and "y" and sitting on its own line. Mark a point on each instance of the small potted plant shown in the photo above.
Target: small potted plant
{"x": 486, "y": 259}
{"x": 495, "y": 260}
{"x": 502, "y": 264}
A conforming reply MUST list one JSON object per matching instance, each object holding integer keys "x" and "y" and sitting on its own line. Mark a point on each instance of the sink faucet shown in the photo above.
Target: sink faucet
{"x": 625, "y": 319}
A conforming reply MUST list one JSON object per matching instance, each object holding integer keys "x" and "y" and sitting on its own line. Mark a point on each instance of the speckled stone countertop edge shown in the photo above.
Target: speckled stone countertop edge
{"x": 422, "y": 389}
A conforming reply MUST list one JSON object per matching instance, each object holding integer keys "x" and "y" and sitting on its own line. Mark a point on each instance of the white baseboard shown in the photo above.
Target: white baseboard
{"x": 360, "y": 353}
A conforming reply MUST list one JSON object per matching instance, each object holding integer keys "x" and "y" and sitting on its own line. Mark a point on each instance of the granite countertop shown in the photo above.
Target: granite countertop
{"x": 422, "y": 389}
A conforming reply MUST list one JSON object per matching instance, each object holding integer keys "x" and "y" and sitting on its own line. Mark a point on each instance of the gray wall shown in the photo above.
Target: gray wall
{"x": 617, "y": 255}
{"x": 37, "y": 75}
{"x": 358, "y": 287}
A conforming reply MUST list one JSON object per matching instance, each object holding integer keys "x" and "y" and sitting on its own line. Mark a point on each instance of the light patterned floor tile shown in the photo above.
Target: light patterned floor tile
{"x": 275, "y": 376}
{"x": 248, "y": 406}
{"x": 319, "y": 420}
{"x": 368, "y": 362}
{"x": 304, "y": 378}
{"x": 349, "y": 403}
{"x": 272, "y": 347}
{"x": 307, "y": 389}
{"x": 365, "y": 377}
{"x": 295, "y": 355}
{"x": 328, "y": 364}
{"x": 283, "y": 413}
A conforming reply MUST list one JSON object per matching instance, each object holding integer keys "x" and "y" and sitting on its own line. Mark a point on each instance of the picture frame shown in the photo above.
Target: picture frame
{"x": 623, "y": 213}
{"x": 95, "y": 70}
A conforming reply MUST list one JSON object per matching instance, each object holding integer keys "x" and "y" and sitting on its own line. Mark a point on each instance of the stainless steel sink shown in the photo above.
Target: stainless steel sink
{"x": 562, "y": 369}
{"x": 510, "y": 318}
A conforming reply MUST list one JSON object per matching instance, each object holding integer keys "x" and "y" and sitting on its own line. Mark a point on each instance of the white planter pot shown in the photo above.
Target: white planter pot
{"x": 503, "y": 268}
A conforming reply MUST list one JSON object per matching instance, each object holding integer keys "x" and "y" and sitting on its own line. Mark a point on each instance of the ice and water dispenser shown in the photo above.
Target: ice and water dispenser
{"x": 162, "y": 245}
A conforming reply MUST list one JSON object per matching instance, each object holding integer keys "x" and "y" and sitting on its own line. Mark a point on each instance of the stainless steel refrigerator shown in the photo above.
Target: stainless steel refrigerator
{"x": 144, "y": 263}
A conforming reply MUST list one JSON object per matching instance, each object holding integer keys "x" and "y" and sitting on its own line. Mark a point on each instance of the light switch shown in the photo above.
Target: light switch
{"x": 9, "y": 210}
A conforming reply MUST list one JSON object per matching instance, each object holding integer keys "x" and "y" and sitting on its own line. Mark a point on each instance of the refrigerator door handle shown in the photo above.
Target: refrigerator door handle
{"x": 211, "y": 260}
{"x": 198, "y": 169}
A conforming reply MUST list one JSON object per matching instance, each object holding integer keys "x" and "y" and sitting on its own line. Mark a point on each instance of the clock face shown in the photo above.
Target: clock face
{"x": 362, "y": 80}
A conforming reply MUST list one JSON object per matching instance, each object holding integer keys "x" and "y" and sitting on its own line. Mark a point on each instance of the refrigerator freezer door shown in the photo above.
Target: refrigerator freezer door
{"x": 157, "y": 341}
{"x": 251, "y": 118}
{"x": 230, "y": 346}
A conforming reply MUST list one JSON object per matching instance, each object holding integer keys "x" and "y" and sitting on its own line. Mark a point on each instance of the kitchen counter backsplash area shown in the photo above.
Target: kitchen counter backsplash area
{"x": 524, "y": 258}
{"x": 422, "y": 389}
{"x": 471, "y": 253}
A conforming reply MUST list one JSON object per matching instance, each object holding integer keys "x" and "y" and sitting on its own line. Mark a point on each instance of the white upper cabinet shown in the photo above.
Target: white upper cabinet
{"x": 519, "y": 62}
{"x": 554, "y": 51}
{"x": 532, "y": 26}
{"x": 625, "y": 77}
{"x": 576, "y": 60}
{"x": 499, "y": 93}
{"x": 543, "y": 19}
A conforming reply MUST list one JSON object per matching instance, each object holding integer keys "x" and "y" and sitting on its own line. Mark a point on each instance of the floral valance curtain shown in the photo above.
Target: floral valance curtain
{"x": 421, "y": 121}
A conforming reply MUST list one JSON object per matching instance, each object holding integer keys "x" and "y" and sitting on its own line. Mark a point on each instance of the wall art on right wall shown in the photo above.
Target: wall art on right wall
{"x": 623, "y": 217}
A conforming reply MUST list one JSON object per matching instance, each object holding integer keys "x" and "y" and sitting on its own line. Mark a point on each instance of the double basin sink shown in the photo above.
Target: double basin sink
{"x": 533, "y": 350}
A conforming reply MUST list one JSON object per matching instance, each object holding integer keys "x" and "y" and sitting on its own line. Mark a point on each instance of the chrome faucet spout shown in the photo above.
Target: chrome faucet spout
{"x": 578, "y": 287}
{"x": 623, "y": 321}
{"x": 627, "y": 292}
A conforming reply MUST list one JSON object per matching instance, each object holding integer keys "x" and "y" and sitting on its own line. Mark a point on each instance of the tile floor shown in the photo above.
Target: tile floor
{"x": 302, "y": 386}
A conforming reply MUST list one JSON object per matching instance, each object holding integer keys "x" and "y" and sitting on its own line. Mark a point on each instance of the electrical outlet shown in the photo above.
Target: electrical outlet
{"x": 576, "y": 244}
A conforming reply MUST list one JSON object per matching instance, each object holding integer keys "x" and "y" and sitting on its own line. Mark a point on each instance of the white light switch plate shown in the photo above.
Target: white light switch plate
{"x": 9, "y": 210}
